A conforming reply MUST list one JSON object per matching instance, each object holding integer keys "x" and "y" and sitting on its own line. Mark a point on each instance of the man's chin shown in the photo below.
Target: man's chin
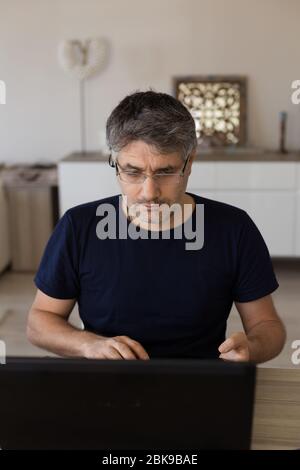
{"x": 149, "y": 218}
{"x": 142, "y": 210}
{"x": 155, "y": 220}
{"x": 153, "y": 214}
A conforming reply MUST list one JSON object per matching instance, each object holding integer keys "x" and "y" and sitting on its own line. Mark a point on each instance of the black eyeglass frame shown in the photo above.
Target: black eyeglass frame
{"x": 116, "y": 165}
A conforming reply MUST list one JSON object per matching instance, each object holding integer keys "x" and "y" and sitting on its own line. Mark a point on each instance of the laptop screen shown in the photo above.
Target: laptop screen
{"x": 49, "y": 403}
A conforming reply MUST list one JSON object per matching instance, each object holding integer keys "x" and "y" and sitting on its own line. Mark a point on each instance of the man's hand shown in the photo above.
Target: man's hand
{"x": 235, "y": 348}
{"x": 117, "y": 347}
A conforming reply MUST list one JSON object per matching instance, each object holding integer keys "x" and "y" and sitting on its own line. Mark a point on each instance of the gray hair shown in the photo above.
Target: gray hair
{"x": 155, "y": 118}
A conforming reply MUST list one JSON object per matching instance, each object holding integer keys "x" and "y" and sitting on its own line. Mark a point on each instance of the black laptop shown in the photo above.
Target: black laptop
{"x": 49, "y": 403}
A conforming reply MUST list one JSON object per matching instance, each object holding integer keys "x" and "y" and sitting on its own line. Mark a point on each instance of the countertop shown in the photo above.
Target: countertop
{"x": 237, "y": 155}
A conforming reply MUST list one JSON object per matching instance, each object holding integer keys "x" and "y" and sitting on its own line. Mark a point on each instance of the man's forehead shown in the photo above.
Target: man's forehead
{"x": 142, "y": 159}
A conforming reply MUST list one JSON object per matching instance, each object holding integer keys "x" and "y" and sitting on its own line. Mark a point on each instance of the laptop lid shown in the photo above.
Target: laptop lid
{"x": 49, "y": 403}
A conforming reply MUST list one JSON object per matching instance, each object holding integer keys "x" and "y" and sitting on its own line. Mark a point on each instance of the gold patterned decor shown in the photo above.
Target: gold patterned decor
{"x": 218, "y": 106}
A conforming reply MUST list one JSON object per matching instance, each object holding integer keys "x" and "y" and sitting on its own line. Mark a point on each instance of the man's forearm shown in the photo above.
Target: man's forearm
{"x": 266, "y": 340}
{"x": 54, "y": 333}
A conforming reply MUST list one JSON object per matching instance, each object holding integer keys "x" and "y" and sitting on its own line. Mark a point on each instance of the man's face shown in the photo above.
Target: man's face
{"x": 146, "y": 197}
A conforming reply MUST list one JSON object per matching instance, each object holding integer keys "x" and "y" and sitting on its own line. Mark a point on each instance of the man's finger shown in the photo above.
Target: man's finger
{"x": 235, "y": 340}
{"x": 230, "y": 356}
{"x": 136, "y": 347}
{"x": 113, "y": 354}
{"x": 226, "y": 346}
{"x": 235, "y": 355}
{"x": 125, "y": 351}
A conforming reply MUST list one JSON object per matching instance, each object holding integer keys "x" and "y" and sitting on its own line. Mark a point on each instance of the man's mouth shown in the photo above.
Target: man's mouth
{"x": 151, "y": 205}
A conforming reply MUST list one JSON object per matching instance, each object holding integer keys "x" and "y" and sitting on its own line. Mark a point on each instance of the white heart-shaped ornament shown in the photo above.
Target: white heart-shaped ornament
{"x": 82, "y": 59}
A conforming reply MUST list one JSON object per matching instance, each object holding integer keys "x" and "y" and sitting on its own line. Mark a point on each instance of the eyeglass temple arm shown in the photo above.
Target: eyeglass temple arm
{"x": 110, "y": 161}
{"x": 185, "y": 163}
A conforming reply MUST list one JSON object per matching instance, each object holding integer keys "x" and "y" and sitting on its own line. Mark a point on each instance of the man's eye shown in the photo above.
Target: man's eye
{"x": 133, "y": 173}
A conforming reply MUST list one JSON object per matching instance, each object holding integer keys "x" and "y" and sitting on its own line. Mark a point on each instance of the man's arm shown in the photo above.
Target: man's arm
{"x": 264, "y": 335}
{"x": 48, "y": 328}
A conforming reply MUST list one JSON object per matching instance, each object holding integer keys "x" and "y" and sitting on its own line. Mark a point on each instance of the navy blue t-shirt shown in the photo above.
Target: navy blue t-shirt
{"x": 174, "y": 301}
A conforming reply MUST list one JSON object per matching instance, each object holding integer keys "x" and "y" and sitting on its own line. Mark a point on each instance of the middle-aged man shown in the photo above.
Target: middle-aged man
{"x": 148, "y": 295}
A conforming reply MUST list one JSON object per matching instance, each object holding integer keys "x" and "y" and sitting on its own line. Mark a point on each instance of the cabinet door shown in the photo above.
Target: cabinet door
{"x": 31, "y": 224}
{"x": 298, "y": 224}
{"x": 81, "y": 182}
{"x": 250, "y": 175}
{"x": 203, "y": 176}
{"x": 272, "y": 211}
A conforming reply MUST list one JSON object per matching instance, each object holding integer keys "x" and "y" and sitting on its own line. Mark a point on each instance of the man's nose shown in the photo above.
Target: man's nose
{"x": 150, "y": 189}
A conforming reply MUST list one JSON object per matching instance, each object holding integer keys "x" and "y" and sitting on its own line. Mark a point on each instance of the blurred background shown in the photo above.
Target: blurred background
{"x": 65, "y": 64}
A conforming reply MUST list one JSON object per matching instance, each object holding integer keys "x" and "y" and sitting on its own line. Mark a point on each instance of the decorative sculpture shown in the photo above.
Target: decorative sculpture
{"x": 82, "y": 59}
{"x": 218, "y": 106}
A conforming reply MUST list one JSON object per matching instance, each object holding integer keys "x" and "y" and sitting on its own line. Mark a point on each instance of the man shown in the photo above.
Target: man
{"x": 148, "y": 297}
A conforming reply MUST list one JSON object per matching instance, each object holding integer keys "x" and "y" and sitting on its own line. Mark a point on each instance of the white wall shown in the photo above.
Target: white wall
{"x": 151, "y": 41}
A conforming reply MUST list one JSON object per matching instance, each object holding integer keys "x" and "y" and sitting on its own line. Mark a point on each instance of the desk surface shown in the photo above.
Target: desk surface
{"x": 277, "y": 409}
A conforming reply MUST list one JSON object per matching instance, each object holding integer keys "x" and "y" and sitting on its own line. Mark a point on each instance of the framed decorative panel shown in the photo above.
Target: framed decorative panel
{"x": 218, "y": 106}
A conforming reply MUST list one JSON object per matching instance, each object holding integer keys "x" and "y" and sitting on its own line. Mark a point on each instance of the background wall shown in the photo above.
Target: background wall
{"x": 151, "y": 41}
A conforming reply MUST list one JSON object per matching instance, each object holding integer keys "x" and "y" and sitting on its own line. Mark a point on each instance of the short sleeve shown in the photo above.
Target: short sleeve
{"x": 57, "y": 275}
{"x": 255, "y": 277}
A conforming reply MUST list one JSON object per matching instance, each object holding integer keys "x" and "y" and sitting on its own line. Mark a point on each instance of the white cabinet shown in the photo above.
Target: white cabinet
{"x": 81, "y": 182}
{"x": 297, "y": 217}
{"x": 203, "y": 176}
{"x": 240, "y": 175}
{"x": 268, "y": 191}
{"x": 272, "y": 212}
{"x": 251, "y": 176}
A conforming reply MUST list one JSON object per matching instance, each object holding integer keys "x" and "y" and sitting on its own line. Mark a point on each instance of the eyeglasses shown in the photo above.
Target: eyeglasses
{"x": 138, "y": 177}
